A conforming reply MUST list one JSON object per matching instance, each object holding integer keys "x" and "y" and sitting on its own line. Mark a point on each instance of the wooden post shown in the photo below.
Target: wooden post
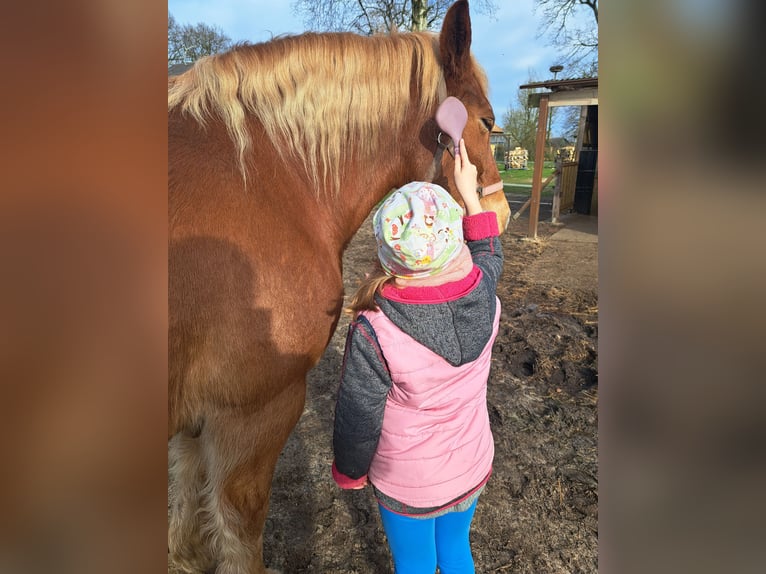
{"x": 557, "y": 193}
{"x": 580, "y": 132}
{"x": 537, "y": 174}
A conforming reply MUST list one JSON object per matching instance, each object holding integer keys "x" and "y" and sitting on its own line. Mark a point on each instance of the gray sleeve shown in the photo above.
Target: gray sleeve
{"x": 483, "y": 238}
{"x": 488, "y": 256}
{"x": 365, "y": 382}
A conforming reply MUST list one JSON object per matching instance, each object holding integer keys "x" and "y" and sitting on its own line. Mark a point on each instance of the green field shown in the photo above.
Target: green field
{"x": 521, "y": 179}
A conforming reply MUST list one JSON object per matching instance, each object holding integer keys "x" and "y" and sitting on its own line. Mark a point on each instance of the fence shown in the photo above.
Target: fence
{"x": 563, "y": 191}
{"x": 565, "y": 188}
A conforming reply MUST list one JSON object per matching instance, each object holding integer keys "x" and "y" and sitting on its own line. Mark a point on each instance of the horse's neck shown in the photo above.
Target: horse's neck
{"x": 358, "y": 198}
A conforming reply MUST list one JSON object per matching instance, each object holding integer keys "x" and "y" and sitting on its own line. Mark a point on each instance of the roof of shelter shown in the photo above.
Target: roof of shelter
{"x": 177, "y": 69}
{"x": 576, "y": 92}
{"x": 563, "y": 85}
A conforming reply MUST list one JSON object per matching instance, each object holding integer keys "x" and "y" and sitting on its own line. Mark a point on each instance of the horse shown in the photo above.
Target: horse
{"x": 277, "y": 152}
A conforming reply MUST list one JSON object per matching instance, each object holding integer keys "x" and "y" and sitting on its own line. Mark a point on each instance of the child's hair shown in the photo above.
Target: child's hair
{"x": 418, "y": 230}
{"x": 364, "y": 298}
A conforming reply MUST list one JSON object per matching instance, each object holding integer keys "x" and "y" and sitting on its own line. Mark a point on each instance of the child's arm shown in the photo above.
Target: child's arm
{"x": 479, "y": 227}
{"x": 482, "y": 237}
{"x": 466, "y": 180}
{"x": 365, "y": 382}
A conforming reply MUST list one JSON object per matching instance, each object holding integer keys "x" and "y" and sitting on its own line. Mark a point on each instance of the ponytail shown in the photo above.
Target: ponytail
{"x": 364, "y": 298}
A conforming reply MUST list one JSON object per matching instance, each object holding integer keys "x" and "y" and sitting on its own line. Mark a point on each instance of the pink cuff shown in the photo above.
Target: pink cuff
{"x": 480, "y": 226}
{"x": 344, "y": 481}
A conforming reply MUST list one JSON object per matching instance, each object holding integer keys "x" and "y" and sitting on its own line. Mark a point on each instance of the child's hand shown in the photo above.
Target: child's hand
{"x": 466, "y": 180}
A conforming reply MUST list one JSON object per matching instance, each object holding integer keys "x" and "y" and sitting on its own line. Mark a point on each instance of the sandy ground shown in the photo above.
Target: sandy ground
{"x": 539, "y": 512}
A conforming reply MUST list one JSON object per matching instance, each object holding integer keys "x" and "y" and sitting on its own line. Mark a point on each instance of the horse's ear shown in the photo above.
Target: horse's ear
{"x": 455, "y": 40}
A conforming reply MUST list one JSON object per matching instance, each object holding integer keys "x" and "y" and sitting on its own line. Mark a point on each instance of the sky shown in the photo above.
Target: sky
{"x": 506, "y": 45}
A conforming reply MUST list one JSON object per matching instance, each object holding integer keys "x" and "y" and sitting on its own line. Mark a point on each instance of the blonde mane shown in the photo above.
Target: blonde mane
{"x": 319, "y": 97}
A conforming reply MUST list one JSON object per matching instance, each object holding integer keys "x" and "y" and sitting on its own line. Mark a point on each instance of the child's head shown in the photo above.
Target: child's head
{"x": 419, "y": 230}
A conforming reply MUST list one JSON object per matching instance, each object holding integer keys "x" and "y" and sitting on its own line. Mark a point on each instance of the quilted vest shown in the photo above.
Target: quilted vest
{"x": 436, "y": 443}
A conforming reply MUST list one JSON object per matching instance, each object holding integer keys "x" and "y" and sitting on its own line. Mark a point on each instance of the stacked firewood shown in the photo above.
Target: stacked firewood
{"x": 565, "y": 153}
{"x": 516, "y": 158}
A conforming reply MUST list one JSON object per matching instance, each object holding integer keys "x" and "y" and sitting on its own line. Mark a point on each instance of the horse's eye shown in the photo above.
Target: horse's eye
{"x": 489, "y": 123}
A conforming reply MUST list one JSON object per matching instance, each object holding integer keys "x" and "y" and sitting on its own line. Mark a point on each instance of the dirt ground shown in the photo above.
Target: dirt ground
{"x": 539, "y": 512}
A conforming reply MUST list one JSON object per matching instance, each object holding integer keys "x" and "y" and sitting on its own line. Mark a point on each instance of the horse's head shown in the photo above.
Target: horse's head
{"x": 466, "y": 81}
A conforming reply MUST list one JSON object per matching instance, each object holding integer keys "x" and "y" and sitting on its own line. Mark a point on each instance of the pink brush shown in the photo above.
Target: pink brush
{"x": 451, "y": 117}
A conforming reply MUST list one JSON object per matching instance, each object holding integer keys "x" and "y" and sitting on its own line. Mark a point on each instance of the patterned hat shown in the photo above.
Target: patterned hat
{"x": 419, "y": 230}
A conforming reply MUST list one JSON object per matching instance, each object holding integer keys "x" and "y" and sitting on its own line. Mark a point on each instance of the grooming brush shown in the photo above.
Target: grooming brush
{"x": 451, "y": 117}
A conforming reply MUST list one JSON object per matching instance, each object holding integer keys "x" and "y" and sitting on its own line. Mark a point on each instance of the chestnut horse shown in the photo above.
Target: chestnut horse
{"x": 277, "y": 153}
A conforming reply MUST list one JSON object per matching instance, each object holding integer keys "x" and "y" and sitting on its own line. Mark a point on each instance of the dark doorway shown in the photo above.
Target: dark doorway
{"x": 588, "y": 163}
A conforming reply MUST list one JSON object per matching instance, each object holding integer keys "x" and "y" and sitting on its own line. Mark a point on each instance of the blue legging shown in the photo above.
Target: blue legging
{"x": 419, "y": 545}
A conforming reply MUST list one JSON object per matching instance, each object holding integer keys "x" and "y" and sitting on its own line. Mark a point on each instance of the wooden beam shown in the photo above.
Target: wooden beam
{"x": 522, "y": 208}
{"x": 537, "y": 173}
{"x": 527, "y": 202}
{"x": 581, "y": 97}
{"x": 580, "y": 132}
{"x": 556, "y": 207}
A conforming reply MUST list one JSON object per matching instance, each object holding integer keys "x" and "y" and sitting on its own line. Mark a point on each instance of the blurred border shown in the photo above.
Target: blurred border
{"x": 682, "y": 278}
{"x": 83, "y": 346}
{"x": 83, "y": 295}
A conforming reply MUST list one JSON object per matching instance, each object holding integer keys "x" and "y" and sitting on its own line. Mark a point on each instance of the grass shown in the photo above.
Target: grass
{"x": 523, "y": 177}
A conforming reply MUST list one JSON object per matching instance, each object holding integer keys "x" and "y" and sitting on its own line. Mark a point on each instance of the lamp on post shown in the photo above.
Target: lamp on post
{"x": 554, "y": 70}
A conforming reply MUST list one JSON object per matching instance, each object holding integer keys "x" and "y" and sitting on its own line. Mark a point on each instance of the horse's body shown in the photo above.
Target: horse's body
{"x": 277, "y": 153}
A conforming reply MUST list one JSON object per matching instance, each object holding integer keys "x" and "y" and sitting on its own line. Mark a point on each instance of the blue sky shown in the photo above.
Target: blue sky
{"x": 506, "y": 45}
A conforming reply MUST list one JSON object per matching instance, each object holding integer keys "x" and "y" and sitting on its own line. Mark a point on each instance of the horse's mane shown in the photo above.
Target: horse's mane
{"x": 319, "y": 97}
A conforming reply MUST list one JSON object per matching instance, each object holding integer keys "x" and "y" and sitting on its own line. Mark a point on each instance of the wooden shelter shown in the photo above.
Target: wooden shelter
{"x": 177, "y": 69}
{"x": 581, "y": 92}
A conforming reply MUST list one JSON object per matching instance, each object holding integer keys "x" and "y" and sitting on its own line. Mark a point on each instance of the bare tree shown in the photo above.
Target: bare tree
{"x": 520, "y": 122}
{"x": 175, "y": 51}
{"x": 577, "y": 37}
{"x": 571, "y": 122}
{"x": 187, "y": 42}
{"x": 372, "y": 16}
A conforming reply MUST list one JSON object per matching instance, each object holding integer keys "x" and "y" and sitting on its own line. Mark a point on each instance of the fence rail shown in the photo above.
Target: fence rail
{"x": 565, "y": 175}
{"x": 524, "y": 207}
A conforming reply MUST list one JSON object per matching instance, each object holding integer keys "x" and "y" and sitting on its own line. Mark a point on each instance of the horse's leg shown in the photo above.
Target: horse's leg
{"x": 187, "y": 551}
{"x": 241, "y": 449}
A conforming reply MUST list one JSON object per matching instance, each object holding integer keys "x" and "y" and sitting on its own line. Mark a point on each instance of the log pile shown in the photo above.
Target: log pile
{"x": 516, "y": 158}
{"x": 565, "y": 153}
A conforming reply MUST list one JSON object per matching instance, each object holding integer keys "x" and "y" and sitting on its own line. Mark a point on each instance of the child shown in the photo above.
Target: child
{"x": 411, "y": 415}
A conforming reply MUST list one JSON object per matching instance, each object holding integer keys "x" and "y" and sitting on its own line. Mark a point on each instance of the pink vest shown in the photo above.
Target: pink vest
{"x": 435, "y": 444}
